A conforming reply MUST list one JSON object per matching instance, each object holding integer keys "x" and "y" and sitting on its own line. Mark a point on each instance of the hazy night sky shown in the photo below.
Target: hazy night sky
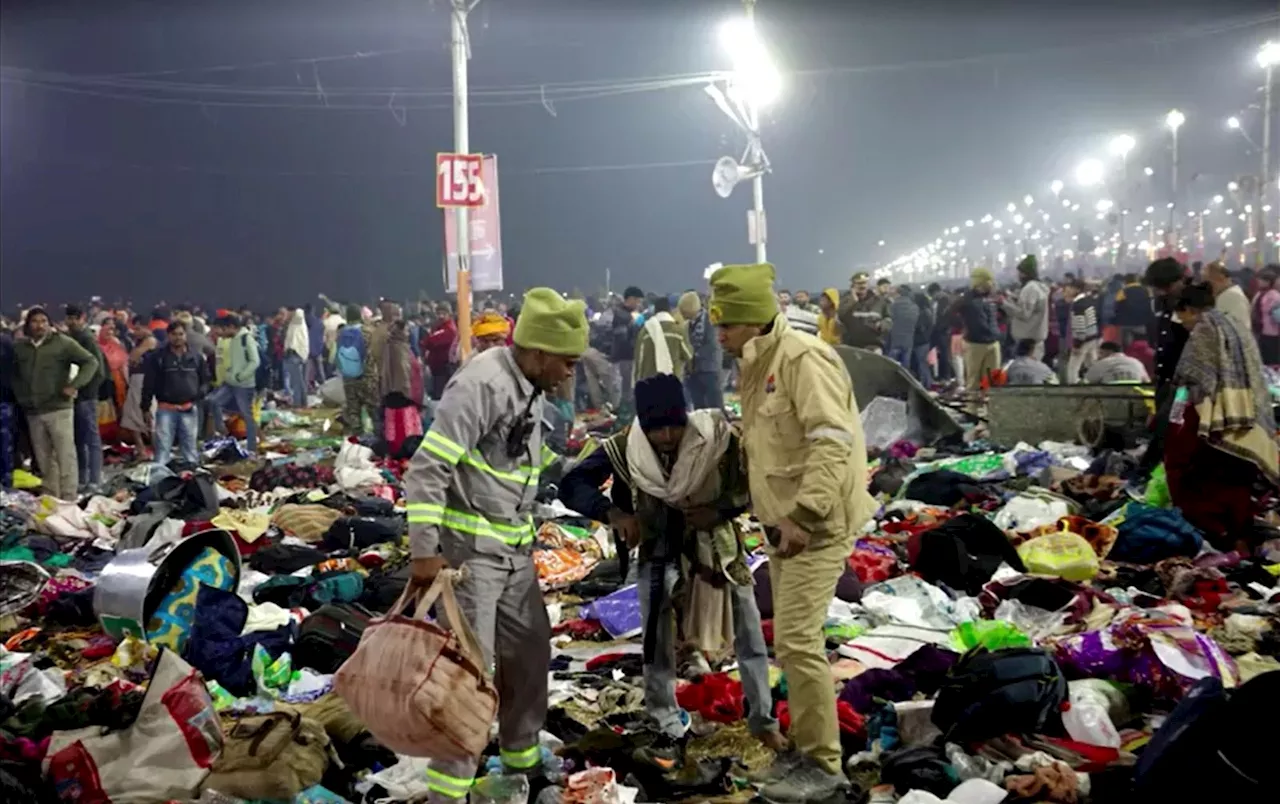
{"x": 897, "y": 119}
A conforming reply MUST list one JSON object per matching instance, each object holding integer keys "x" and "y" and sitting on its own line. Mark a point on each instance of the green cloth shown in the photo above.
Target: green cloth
{"x": 990, "y": 634}
{"x": 550, "y": 323}
{"x": 743, "y": 294}
{"x": 44, "y": 371}
{"x": 1029, "y": 266}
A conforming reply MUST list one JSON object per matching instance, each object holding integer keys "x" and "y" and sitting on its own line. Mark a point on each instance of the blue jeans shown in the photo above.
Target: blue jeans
{"x": 240, "y": 400}
{"x": 705, "y": 390}
{"x": 295, "y": 377}
{"x": 748, "y": 644}
{"x": 88, "y": 443}
{"x": 900, "y": 355}
{"x": 920, "y": 365}
{"x": 183, "y": 424}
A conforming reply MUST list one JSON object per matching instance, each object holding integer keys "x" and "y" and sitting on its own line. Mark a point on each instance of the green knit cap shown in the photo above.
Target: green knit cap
{"x": 1029, "y": 266}
{"x": 743, "y": 294}
{"x": 552, "y": 324}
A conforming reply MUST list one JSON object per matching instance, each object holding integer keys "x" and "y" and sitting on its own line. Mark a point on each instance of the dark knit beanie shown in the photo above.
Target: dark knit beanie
{"x": 660, "y": 402}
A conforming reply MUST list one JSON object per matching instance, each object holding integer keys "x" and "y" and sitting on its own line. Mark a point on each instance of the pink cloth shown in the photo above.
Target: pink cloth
{"x": 1270, "y": 297}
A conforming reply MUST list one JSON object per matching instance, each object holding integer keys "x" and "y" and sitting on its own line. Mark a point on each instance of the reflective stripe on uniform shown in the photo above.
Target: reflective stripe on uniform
{"x": 549, "y": 457}
{"x": 450, "y": 786}
{"x": 521, "y": 760}
{"x": 515, "y": 535}
{"x": 453, "y": 453}
{"x": 443, "y": 448}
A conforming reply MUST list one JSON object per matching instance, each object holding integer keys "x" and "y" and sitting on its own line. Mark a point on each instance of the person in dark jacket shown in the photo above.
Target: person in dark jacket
{"x": 176, "y": 377}
{"x": 940, "y": 306}
{"x": 904, "y": 315}
{"x": 923, "y": 339}
{"x": 88, "y": 437}
{"x": 1166, "y": 277}
{"x": 976, "y": 309}
{"x": 8, "y": 411}
{"x": 622, "y": 341}
{"x": 1133, "y": 310}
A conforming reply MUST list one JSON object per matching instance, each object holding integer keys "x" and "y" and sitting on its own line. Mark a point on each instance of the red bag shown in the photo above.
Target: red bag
{"x": 398, "y": 424}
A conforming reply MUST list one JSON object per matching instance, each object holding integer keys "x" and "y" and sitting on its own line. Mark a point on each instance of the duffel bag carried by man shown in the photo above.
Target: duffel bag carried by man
{"x": 992, "y": 693}
{"x": 423, "y": 690}
{"x": 330, "y": 635}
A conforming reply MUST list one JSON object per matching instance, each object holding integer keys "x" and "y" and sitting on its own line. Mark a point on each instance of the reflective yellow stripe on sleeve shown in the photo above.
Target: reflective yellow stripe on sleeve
{"x": 442, "y": 447}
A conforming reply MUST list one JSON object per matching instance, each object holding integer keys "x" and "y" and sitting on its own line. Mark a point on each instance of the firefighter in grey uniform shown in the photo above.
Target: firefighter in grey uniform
{"x": 470, "y": 489}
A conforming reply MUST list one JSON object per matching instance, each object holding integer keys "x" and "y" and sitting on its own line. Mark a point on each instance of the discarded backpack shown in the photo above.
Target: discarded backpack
{"x": 330, "y": 635}
{"x": 273, "y": 757}
{"x": 992, "y": 693}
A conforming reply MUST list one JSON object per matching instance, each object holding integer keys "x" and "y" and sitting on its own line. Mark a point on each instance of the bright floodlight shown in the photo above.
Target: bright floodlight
{"x": 1233, "y": 123}
{"x": 1089, "y": 173}
{"x": 1269, "y": 55}
{"x": 1055, "y": 186}
{"x": 1174, "y": 120}
{"x": 1217, "y": 199}
{"x": 1028, "y": 200}
{"x": 1104, "y": 205}
{"x": 754, "y": 71}
{"x": 1122, "y": 145}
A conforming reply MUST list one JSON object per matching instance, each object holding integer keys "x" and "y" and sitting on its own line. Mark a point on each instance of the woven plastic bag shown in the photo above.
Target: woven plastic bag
{"x": 422, "y": 689}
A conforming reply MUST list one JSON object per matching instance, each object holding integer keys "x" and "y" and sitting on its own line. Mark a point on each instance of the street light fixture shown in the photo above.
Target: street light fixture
{"x": 1233, "y": 123}
{"x": 1122, "y": 145}
{"x": 1269, "y": 55}
{"x": 1174, "y": 120}
{"x": 1055, "y": 187}
{"x": 755, "y": 75}
{"x": 1090, "y": 172}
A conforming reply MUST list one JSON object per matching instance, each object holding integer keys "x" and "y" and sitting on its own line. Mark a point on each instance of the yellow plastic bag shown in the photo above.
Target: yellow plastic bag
{"x": 1063, "y": 554}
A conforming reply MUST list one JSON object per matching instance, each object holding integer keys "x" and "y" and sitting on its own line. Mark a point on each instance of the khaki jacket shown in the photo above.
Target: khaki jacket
{"x": 806, "y": 454}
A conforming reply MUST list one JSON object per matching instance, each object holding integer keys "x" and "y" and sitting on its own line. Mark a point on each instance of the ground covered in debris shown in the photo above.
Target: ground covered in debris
{"x": 1013, "y": 626}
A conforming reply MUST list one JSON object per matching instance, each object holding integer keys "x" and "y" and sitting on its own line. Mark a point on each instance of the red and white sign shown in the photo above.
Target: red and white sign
{"x": 485, "y": 224}
{"x": 459, "y": 181}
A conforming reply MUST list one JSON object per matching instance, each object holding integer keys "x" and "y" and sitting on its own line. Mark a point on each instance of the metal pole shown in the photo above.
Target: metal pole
{"x": 462, "y": 145}
{"x": 757, "y": 184}
{"x": 1124, "y": 196}
{"x": 1264, "y": 189}
{"x": 1173, "y": 206}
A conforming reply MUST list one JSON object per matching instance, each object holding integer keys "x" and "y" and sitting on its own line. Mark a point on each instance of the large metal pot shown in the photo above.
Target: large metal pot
{"x": 133, "y": 583}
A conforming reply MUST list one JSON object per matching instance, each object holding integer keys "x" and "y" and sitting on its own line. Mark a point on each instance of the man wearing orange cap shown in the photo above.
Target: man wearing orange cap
{"x": 491, "y": 330}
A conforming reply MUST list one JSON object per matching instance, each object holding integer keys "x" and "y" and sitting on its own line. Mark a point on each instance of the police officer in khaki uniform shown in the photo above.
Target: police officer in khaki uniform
{"x": 807, "y": 470}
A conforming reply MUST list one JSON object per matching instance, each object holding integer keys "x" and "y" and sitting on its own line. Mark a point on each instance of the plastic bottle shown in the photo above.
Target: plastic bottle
{"x": 1086, "y": 720}
{"x": 1180, "y": 398}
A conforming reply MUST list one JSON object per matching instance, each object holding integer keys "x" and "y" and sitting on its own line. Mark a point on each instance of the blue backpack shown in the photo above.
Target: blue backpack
{"x": 350, "y": 357}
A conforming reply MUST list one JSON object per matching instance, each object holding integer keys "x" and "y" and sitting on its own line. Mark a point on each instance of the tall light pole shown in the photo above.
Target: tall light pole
{"x": 1121, "y": 146}
{"x": 753, "y": 84}
{"x": 1174, "y": 120}
{"x": 460, "y": 47}
{"x": 1268, "y": 57}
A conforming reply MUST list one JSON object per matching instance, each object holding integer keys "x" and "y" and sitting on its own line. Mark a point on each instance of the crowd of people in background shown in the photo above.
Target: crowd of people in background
{"x": 165, "y": 381}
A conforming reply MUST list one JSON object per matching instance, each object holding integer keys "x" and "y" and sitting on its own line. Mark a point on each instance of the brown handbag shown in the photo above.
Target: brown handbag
{"x": 423, "y": 690}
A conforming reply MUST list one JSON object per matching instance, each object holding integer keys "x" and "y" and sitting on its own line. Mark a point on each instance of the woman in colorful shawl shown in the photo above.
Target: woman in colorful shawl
{"x": 1222, "y": 440}
{"x": 117, "y": 357}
